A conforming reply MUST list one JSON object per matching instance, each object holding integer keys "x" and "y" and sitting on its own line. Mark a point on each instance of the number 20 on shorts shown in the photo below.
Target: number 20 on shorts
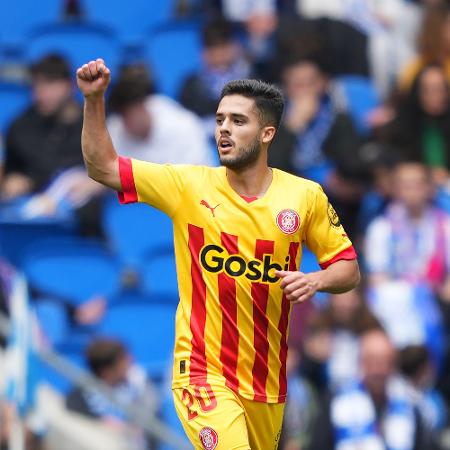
{"x": 203, "y": 399}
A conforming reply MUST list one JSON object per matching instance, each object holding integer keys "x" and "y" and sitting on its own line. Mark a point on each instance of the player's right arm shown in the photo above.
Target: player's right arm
{"x": 100, "y": 157}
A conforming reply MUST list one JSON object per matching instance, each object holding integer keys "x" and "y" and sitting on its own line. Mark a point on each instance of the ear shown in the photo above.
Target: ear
{"x": 267, "y": 134}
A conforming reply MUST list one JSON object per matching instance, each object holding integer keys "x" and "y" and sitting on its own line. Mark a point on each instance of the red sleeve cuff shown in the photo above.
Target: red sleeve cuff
{"x": 347, "y": 254}
{"x": 129, "y": 193}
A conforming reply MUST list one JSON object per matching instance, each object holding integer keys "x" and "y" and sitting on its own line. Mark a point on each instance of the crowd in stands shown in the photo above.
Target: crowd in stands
{"x": 367, "y": 88}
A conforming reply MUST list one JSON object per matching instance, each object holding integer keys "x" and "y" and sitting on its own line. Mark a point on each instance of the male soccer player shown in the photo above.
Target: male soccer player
{"x": 238, "y": 233}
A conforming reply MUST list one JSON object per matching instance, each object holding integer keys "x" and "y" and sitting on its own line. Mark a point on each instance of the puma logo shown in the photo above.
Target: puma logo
{"x": 206, "y": 204}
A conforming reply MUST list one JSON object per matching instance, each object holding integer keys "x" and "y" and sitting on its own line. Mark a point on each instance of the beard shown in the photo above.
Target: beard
{"x": 246, "y": 157}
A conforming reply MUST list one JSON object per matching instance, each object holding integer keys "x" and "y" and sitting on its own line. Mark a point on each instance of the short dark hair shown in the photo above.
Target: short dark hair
{"x": 134, "y": 84}
{"x": 103, "y": 353}
{"x": 217, "y": 31}
{"x": 51, "y": 67}
{"x": 269, "y": 99}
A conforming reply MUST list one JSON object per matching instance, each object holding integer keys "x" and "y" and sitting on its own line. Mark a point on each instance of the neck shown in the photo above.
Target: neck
{"x": 252, "y": 181}
{"x": 379, "y": 400}
{"x": 416, "y": 213}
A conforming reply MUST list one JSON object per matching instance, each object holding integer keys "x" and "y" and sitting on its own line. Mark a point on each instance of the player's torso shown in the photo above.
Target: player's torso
{"x": 227, "y": 251}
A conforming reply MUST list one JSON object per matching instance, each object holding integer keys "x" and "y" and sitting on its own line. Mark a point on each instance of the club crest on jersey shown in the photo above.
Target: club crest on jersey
{"x": 209, "y": 438}
{"x": 288, "y": 221}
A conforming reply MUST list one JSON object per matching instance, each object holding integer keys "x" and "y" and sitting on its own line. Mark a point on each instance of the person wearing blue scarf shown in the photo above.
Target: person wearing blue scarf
{"x": 376, "y": 411}
{"x": 317, "y": 138}
{"x": 223, "y": 61}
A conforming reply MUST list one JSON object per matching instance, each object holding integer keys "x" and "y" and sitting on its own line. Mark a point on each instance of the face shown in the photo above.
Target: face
{"x": 50, "y": 95}
{"x": 117, "y": 373}
{"x": 433, "y": 91}
{"x": 239, "y": 132}
{"x": 378, "y": 360}
{"x": 137, "y": 120}
{"x": 221, "y": 56}
{"x": 412, "y": 187}
{"x": 304, "y": 80}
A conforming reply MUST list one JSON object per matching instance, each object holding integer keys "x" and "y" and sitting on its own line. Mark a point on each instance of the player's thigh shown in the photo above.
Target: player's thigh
{"x": 264, "y": 422}
{"x": 212, "y": 417}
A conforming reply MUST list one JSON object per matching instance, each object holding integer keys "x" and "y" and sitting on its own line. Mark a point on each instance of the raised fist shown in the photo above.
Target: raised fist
{"x": 93, "y": 78}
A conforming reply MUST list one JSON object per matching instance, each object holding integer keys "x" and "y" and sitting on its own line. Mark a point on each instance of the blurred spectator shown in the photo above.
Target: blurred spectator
{"x": 46, "y": 138}
{"x": 317, "y": 138}
{"x": 315, "y": 353}
{"x": 153, "y": 127}
{"x": 259, "y": 20}
{"x": 301, "y": 406}
{"x": 223, "y": 61}
{"x": 407, "y": 256}
{"x": 329, "y": 361}
{"x": 416, "y": 365}
{"x": 347, "y": 317}
{"x": 44, "y": 145}
{"x": 411, "y": 241}
{"x": 110, "y": 362}
{"x": 420, "y": 129}
{"x": 390, "y": 25}
{"x": 375, "y": 413}
{"x": 433, "y": 44}
{"x": 380, "y": 163}
{"x": 321, "y": 38}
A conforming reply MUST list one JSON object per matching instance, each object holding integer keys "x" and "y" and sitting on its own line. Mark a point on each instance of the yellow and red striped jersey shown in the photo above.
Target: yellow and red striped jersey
{"x": 232, "y": 318}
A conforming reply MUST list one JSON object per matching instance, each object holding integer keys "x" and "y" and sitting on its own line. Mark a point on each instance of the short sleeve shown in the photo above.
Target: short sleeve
{"x": 159, "y": 185}
{"x": 324, "y": 234}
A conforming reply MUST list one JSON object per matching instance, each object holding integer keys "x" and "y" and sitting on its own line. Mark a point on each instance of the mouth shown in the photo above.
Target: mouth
{"x": 225, "y": 144}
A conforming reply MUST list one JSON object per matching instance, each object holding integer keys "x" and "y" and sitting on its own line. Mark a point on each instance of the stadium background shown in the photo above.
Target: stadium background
{"x": 49, "y": 269}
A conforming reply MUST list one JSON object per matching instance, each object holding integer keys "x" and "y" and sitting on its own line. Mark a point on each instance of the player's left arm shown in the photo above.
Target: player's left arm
{"x": 326, "y": 238}
{"x": 339, "y": 277}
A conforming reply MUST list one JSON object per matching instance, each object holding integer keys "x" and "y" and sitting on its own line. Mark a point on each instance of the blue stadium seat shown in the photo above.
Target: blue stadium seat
{"x": 132, "y": 20}
{"x": 128, "y": 296}
{"x": 14, "y": 98}
{"x": 71, "y": 269}
{"x": 147, "y": 329}
{"x": 362, "y": 97}
{"x": 53, "y": 320}
{"x": 136, "y": 230}
{"x": 174, "y": 52}
{"x": 18, "y": 18}
{"x": 78, "y": 42}
{"x": 159, "y": 277}
{"x": 16, "y": 236}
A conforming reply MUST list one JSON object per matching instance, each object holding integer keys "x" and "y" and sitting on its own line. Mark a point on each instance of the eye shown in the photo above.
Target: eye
{"x": 238, "y": 122}
{"x": 219, "y": 121}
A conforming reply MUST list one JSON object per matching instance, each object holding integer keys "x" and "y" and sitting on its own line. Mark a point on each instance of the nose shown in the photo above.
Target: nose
{"x": 224, "y": 127}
